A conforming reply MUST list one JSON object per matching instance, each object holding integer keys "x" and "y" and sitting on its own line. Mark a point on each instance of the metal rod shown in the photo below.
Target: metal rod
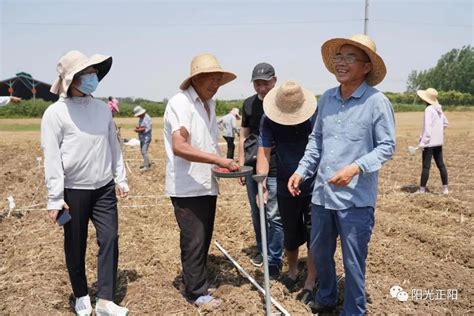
{"x": 263, "y": 229}
{"x": 366, "y": 19}
{"x": 252, "y": 280}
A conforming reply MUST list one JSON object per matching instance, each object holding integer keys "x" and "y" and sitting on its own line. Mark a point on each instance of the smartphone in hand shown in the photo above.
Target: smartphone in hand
{"x": 63, "y": 217}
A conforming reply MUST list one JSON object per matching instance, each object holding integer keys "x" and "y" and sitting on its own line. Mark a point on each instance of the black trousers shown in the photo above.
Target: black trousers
{"x": 296, "y": 218}
{"x": 230, "y": 146}
{"x": 195, "y": 217}
{"x": 428, "y": 154}
{"x": 101, "y": 207}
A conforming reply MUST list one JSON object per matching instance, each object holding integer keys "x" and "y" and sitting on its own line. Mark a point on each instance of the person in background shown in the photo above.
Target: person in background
{"x": 353, "y": 136}
{"x": 84, "y": 173}
{"x": 191, "y": 145}
{"x": 229, "y": 128}
{"x": 113, "y": 104}
{"x": 6, "y": 100}
{"x": 263, "y": 79}
{"x": 143, "y": 129}
{"x": 432, "y": 138}
{"x": 290, "y": 113}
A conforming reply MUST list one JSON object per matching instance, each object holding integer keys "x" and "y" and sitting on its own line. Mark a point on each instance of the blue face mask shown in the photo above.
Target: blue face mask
{"x": 89, "y": 83}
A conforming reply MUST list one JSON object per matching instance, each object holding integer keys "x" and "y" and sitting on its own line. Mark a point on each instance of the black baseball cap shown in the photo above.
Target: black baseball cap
{"x": 263, "y": 71}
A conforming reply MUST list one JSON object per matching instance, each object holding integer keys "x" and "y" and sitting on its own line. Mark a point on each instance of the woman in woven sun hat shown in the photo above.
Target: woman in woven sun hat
{"x": 192, "y": 150}
{"x": 84, "y": 173}
{"x": 290, "y": 114}
{"x": 432, "y": 139}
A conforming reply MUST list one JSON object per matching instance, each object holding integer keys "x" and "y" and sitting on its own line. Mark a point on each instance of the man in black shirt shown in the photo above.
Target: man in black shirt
{"x": 264, "y": 79}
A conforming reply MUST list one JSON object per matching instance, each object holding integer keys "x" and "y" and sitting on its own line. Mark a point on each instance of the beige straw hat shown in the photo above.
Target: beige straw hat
{"x": 289, "y": 104}
{"x": 331, "y": 47}
{"x": 206, "y": 63}
{"x": 429, "y": 95}
{"x": 72, "y": 63}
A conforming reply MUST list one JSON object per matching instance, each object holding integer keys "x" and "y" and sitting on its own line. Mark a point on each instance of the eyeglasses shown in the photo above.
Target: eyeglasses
{"x": 348, "y": 59}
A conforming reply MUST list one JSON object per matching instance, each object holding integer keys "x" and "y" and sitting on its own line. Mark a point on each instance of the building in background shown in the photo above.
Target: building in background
{"x": 23, "y": 85}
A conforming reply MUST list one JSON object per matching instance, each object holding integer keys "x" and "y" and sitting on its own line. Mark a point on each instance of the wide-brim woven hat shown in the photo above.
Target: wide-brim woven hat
{"x": 289, "y": 104}
{"x": 72, "y": 63}
{"x": 429, "y": 95}
{"x": 331, "y": 47}
{"x": 138, "y": 110}
{"x": 206, "y": 63}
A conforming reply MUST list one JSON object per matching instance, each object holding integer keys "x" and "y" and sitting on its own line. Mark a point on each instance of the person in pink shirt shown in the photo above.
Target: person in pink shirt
{"x": 113, "y": 105}
{"x": 432, "y": 137}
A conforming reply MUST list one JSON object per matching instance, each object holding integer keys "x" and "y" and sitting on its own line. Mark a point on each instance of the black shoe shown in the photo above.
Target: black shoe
{"x": 306, "y": 296}
{"x": 274, "y": 271}
{"x": 316, "y": 308}
{"x": 290, "y": 283}
{"x": 257, "y": 260}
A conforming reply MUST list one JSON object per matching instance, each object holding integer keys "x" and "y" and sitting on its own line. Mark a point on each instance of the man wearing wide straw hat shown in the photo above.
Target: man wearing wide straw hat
{"x": 290, "y": 113}
{"x": 353, "y": 136}
{"x": 191, "y": 145}
{"x": 143, "y": 129}
{"x": 84, "y": 171}
{"x": 432, "y": 139}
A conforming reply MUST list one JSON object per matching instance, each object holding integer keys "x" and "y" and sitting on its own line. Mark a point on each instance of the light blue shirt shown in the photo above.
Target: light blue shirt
{"x": 145, "y": 122}
{"x": 360, "y": 129}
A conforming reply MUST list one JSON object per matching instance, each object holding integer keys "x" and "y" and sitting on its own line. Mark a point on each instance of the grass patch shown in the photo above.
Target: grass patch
{"x": 20, "y": 127}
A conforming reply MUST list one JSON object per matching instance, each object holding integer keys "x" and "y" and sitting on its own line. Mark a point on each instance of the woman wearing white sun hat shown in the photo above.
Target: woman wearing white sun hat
{"x": 84, "y": 171}
{"x": 432, "y": 138}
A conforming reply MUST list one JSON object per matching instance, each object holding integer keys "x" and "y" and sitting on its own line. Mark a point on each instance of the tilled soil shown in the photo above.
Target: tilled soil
{"x": 422, "y": 243}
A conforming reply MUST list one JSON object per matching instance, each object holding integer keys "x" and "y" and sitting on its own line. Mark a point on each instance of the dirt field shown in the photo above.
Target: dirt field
{"x": 422, "y": 243}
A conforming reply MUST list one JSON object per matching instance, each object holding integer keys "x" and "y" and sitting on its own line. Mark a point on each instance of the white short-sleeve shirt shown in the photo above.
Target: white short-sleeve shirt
{"x": 185, "y": 178}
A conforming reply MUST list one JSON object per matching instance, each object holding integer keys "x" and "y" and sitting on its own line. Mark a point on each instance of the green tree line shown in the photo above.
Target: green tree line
{"x": 401, "y": 101}
{"x": 453, "y": 72}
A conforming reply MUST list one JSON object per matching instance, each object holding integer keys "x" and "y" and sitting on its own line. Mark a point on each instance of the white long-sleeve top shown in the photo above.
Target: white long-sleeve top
{"x": 80, "y": 146}
{"x": 434, "y": 124}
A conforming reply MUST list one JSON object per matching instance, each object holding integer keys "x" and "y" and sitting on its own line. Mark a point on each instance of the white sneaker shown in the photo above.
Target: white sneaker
{"x": 444, "y": 189}
{"x": 421, "y": 190}
{"x": 110, "y": 309}
{"x": 83, "y": 306}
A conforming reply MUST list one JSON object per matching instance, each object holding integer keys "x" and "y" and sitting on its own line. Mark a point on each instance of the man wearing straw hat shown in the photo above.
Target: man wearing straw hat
{"x": 84, "y": 170}
{"x": 432, "y": 138}
{"x": 290, "y": 113}
{"x": 353, "y": 136}
{"x": 143, "y": 129}
{"x": 191, "y": 145}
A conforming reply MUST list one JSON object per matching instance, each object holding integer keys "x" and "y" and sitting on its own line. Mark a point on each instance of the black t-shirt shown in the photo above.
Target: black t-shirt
{"x": 252, "y": 112}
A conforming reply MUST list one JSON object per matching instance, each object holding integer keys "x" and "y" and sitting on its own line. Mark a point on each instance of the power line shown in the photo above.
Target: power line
{"x": 422, "y": 23}
{"x": 179, "y": 24}
{"x": 235, "y": 24}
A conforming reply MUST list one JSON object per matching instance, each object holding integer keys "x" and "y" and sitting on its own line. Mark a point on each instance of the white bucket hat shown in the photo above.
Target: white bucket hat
{"x": 429, "y": 95}
{"x": 72, "y": 63}
{"x": 331, "y": 47}
{"x": 289, "y": 104}
{"x": 206, "y": 63}
{"x": 138, "y": 110}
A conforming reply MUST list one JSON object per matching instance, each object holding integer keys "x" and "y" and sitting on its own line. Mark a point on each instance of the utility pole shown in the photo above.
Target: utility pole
{"x": 366, "y": 19}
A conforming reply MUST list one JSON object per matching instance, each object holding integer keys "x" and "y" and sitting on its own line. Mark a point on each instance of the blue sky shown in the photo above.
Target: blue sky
{"x": 153, "y": 42}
